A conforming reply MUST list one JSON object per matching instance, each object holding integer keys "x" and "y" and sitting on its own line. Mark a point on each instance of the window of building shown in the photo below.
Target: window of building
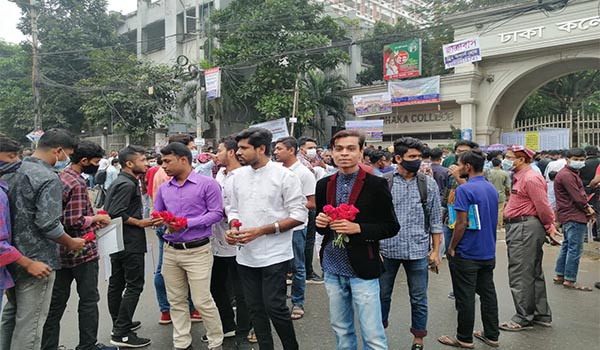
{"x": 131, "y": 41}
{"x": 153, "y": 37}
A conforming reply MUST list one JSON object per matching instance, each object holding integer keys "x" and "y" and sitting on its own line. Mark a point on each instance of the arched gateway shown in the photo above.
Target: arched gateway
{"x": 521, "y": 51}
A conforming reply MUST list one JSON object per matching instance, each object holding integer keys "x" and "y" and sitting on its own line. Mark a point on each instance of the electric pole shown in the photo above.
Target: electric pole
{"x": 35, "y": 69}
{"x": 293, "y": 119}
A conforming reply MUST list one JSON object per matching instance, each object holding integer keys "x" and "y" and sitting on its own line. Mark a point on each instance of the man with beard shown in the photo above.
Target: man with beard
{"x": 124, "y": 200}
{"x": 78, "y": 219}
{"x": 268, "y": 202}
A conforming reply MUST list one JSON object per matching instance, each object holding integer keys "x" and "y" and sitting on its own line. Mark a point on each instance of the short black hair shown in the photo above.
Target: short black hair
{"x": 436, "y": 154}
{"x": 257, "y": 137}
{"x": 554, "y": 152}
{"x": 289, "y": 142}
{"x": 126, "y": 154}
{"x": 575, "y": 152}
{"x": 115, "y": 160}
{"x": 376, "y": 156}
{"x": 402, "y": 145}
{"x": 151, "y": 156}
{"x": 426, "y": 152}
{"x": 493, "y": 154}
{"x": 496, "y": 162}
{"x": 86, "y": 149}
{"x": 474, "y": 157}
{"x": 591, "y": 151}
{"x": 342, "y": 134}
{"x": 304, "y": 139}
{"x": 552, "y": 175}
{"x": 467, "y": 143}
{"x": 388, "y": 155}
{"x": 230, "y": 143}
{"x": 184, "y": 139}
{"x": 54, "y": 138}
{"x": 177, "y": 149}
{"x": 8, "y": 145}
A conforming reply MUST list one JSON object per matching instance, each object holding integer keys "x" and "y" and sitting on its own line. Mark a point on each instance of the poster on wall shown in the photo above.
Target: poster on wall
{"x": 277, "y": 127}
{"x": 372, "y": 104}
{"x": 538, "y": 140}
{"x": 373, "y": 129}
{"x": 461, "y": 52}
{"x": 212, "y": 78}
{"x": 417, "y": 91}
{"x": 402, "y": 60}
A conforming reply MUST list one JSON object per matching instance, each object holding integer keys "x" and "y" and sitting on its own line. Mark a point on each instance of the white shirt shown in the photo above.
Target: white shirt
{"x": 219, "y": 245}
{"x": 319, "y": 172}
{"x": 103, "y": 164}
{"x": 554, "y": 165}
{"x": 307, "y": 181}
{"x": 111, "y": 175}
{"x": 261, "y": 197}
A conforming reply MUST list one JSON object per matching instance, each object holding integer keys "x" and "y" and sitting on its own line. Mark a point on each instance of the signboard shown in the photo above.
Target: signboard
{"x": 372, "y": 104}
{"x": 461, "y": 52}
{"x": 212, "y": 78}
{"x": 34, "y": 136}
{"x": 402, "y": 60}
{"x": 417, "y": 91}
{"x": 532, "y": 140}
{"x": 538, "y": 140}
{"x": 466, "y": 134}
{"x": 277, "y": 127}
{"x": 373, "y": 129}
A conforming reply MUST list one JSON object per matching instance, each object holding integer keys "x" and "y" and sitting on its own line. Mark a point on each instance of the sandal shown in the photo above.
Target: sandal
{"x": 479, "y": 335}
{"x": 297, "y": 312}
{"x": 577, "y": 287}
{"x": 446, "y": 340}
{"x": 558, "y": 280}
{"x": 252, "y": 337}
{"x": 513, "y": 327}
{"x": 417, "y": 347}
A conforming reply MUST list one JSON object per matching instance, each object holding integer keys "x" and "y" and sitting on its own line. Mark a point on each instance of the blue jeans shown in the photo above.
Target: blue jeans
{"x": 417, "y": 276}
{"x": 159, "y": 282}
{"x": 347, "y": 294}
{"x": 299, "y": 279}
{"x": 567, "y": 263}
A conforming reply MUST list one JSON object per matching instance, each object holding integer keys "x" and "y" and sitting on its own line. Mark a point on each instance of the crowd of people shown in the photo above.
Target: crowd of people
{"x": 245, "y": 218}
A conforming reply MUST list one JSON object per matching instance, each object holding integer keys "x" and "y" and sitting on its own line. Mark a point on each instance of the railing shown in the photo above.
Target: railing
{"x": 585, "y": 128}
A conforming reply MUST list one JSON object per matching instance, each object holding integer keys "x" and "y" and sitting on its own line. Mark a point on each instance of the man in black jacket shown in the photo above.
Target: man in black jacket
{"x": 350, "y": 249}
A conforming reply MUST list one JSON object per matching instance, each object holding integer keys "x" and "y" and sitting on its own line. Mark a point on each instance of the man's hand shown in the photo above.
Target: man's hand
{"x": 322, "y": 220}
{"x": 38, "y": 269}
{"x": 76, "y": 244}
{"x": 434, "y": 258}
{"x": 345, "y": 227}
{"x": 101, "y": 220}
{"x": 554, "y": 235}
{"x": 453, "y": 170}
{"x": 148, "y": 222}
{"x": 451, "y": 252}
{"x": 248, "y": 235}
{"x": 231, "y": 236}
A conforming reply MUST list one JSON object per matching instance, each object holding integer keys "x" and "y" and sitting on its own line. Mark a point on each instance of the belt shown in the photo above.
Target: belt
{"x": 517, "y": 219}
{"x": 188, "y": 245}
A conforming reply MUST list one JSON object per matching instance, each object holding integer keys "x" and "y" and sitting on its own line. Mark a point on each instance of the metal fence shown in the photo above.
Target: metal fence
{"x": 584, "y": 127}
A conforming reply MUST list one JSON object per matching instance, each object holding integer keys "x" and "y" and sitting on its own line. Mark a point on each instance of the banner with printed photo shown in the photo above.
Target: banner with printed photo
{"x": 372, "y": 104}
{"x": 417, "y": 91}
{"x": 212, "y": 79}
{"x": 461, "y": 52}
{"x": 373, "y": 129}
{"x": 277, "y": 127}
{"x": 402, "y": 60}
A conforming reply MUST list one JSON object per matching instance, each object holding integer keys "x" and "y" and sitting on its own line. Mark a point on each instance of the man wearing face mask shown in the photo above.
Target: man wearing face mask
{"x": 35, "y": 195}
{"x": 78, "y": 219}
{"x": 573, "y": 213}
{"x": 417, "y": 205}
{"x": 528, "y": 219}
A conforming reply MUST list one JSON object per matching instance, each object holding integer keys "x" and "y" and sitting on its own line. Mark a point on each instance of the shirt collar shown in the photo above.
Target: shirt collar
{"x": 192, "y": 177}
{"x": 129, "y": 176}
{"x": 348, "y": 177}
{"x": 70, "y": 171}
{"x": 477, "y": 178}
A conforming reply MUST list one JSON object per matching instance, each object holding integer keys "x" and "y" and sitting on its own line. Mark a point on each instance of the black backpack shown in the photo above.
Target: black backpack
{"x": 100, "y": 177}
{"x": 422, "y": 185}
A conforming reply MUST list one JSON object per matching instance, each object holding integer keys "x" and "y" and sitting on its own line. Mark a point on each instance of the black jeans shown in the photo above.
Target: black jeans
{"x": 86, "y": 277}
{"x": 225, "y": 268}
{"x": 311, "y": 230}
{"x": 124, "y": 289}
{"x": 470, "y": 277}
{"x": 265, "y": 292}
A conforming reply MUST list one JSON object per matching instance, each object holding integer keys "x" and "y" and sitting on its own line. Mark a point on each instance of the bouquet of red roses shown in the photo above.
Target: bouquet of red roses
{"x": 342, "y": 212}
{"x": 178, "y": 223}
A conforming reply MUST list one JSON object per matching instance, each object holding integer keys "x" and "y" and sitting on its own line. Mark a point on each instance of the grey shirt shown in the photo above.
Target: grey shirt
{"x": 35, "y": 194}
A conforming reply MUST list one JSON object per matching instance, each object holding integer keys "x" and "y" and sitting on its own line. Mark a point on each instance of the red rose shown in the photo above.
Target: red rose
{"x": 90, "y": 236}
{"x": 102, "y": 212}
{"x": 180, "y": 223}
{"x": 155, "y": 214}
{"x": 237, "y": 224}
{"x": 332, "y": 212}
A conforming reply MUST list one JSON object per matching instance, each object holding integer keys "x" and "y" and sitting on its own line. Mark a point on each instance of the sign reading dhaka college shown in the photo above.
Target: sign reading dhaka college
{"x": 578, "y": 24}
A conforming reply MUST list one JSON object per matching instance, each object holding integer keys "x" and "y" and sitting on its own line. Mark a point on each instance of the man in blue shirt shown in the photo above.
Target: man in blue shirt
{"x": 472, "y": 254}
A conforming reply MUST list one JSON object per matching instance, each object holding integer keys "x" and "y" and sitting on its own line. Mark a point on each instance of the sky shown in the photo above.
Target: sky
{"x": 10, "y": 14}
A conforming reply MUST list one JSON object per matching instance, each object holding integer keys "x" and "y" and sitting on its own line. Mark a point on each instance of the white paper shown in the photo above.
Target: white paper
{"x": 110, "y": 238}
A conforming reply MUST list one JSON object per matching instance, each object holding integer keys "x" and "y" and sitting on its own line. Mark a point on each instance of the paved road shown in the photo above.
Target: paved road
{"x": 576, "y": 314}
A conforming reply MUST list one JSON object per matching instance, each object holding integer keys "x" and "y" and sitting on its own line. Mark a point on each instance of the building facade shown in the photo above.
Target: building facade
{"x": 371, "y": 11}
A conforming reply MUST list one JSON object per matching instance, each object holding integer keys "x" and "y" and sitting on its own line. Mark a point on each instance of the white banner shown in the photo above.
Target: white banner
{"x": 212, "y": 79}
{"x": 277, "y": 127}
{"x": 461, "y": 52}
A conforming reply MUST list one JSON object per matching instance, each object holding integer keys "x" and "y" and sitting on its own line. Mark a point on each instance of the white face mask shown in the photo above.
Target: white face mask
{"x": 577, "y": 164}
{"x": 311, "y": 153}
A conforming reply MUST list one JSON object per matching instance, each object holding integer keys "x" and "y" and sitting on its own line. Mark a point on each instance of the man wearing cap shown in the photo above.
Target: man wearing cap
{"x": 528, "y": 219}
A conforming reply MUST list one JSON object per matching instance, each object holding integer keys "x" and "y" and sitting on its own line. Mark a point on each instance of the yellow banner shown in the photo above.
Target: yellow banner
{"x": 532, "y": 140}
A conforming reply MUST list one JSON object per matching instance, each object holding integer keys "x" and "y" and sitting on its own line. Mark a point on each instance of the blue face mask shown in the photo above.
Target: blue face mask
{"x": 507, "y": 164}
{"x": 576, "y": 164}
{"x": 61, "y": 164}
{"x": 195, "y": 154}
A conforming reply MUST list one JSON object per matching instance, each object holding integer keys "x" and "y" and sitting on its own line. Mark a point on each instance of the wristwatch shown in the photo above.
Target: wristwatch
{"x": 277, "y": 231}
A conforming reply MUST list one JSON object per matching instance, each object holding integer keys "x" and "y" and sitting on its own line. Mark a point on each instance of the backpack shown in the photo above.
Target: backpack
{"x": 100, "y": 177}
{"x": 422, "y": 185}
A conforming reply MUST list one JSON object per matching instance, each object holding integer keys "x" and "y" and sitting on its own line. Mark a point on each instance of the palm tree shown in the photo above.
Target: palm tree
{"x": 325, "y": 92}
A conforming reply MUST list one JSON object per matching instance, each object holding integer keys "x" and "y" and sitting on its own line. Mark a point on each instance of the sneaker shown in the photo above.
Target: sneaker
{"x": 135, "y": 325}
{"x": 195, "y": 316}
{"x": 244, "y": 344}
{"x": 314, "y": 279}
{"x": 165, "y": 318}
{"x": 188, "y": 348}
{"x": 229, "y": 334}
{"x": 101, "y": 346}
{"x": 130, "y": 340}
{"x": 451, "y": 295}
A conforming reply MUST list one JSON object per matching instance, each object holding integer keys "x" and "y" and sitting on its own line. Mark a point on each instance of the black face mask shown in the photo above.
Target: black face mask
{"x": 90, "y": 169}
{"x": 411, "y": 166}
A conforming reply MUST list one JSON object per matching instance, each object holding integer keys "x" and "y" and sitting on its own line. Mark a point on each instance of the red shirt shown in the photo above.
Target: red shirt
{"x": 571, "y": 200}
{"x": 150, "y": 179}
{"x": 529, "y": 197}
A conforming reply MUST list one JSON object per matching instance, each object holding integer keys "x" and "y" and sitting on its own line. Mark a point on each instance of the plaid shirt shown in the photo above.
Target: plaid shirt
{"x": 8, "y": 253}
{"x": 412, "y": 241}
{"x": 77, "y": 217}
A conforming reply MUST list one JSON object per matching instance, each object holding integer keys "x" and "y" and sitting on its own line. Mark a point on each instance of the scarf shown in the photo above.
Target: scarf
{"x": 9, "y": 167}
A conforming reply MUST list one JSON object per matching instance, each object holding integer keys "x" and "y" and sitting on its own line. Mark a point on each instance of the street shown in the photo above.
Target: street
{"x": 576, "y": 314}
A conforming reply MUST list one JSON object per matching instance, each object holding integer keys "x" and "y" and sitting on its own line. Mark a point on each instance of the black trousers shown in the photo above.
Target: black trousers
{"x": 86, "y": 277}
{"x": 124, "y": 289}
{"x": 265, "y": 292}
{"x": 311, "y": 230}
{"x": 223, "y": 270}
{"x": 470, "y": 277}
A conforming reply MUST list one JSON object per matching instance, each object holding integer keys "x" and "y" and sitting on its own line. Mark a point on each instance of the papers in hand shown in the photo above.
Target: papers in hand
{"x": 110, "y": 238}
{"x": 472, "y": 216}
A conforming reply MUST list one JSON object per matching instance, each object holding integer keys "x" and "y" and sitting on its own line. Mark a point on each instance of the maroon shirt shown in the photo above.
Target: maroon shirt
{"x": 571, "y": 200}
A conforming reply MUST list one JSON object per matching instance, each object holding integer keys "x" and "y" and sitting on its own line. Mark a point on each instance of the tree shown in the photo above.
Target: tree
{"x": 267, "y": 45}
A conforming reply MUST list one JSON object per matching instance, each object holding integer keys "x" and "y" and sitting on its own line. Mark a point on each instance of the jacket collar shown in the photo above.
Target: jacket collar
{"x": 356, "y": 188}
